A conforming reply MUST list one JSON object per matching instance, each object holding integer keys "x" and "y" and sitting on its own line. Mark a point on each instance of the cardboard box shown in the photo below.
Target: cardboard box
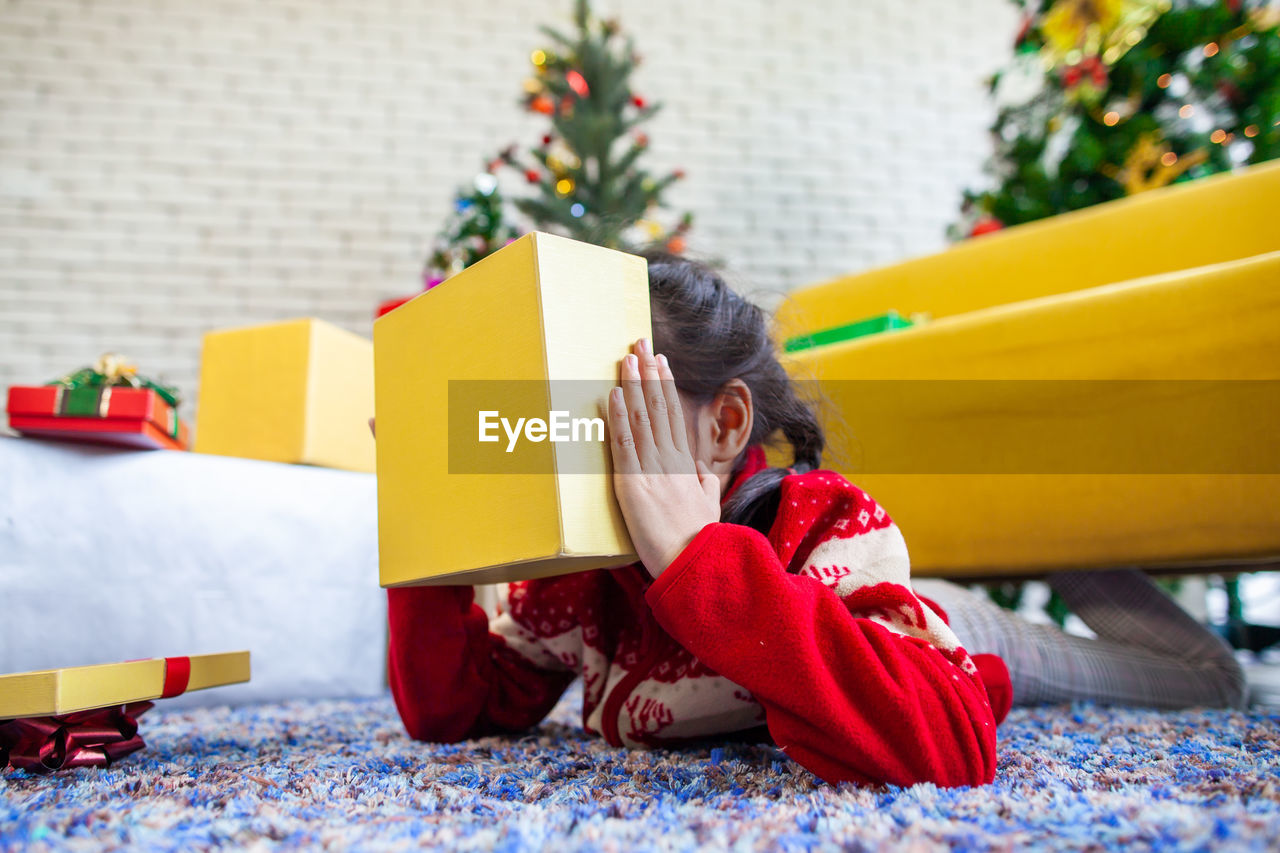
{"x": 298, "y": 391}
{"x": 64, "y": 691}
{"x": 131, "y": 417}
{"x": 1194, "y": 353}
{"x": 536, "y": 328}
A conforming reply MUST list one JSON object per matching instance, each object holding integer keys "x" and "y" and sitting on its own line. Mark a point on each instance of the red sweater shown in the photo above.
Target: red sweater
{"x": 813, "y": 631}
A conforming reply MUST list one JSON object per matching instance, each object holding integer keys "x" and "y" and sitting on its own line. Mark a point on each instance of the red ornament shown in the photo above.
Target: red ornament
{"x": 1095, "y": 69}
{"x": 389, "y": 305}
{"x": 531, "y": 176}
{"x": 986, "y": 225}
{"x": 542, "y": 104}
{"x": 1229, "y": 91}
{"x": 676, "y": 245}
{"x": 642, "y": 140}
{"x": 577, "y": 83}
{"x": 546, "y": 140}
{"x": 638, "y": 101}
{"x": 678, "y": 174}
{"x": 1090, "y": 67}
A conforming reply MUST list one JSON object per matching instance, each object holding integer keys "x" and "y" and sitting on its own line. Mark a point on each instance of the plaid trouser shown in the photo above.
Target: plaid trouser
{"x": 1148, "y": 651}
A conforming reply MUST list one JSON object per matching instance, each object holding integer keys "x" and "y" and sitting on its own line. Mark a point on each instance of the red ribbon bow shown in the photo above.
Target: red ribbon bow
{"x": 84, "y": 739}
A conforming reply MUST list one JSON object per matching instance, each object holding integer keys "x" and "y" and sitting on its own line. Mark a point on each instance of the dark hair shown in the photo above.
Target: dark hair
{"x": 710, "y": 335}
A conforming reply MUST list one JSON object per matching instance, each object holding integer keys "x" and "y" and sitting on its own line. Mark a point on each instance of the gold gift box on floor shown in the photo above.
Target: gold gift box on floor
{"x": 538, "y": 327}
{"x": 1190, "y": 350}
{"x": 80, "y": 688}
{"x": 298, "y": 391}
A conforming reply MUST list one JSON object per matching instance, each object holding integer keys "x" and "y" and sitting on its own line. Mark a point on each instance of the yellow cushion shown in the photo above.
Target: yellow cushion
{"x": 1220, "y": 218}
{"x": 1217, "y": 322}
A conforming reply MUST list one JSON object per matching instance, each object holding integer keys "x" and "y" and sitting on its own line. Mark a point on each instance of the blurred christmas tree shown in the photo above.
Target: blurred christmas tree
{"x": 1107, "y": 98}
{"x": 589, "y": 184}
{"x": 477, "y": 228}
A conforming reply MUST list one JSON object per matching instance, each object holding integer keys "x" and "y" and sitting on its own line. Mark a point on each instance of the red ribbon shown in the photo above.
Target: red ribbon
{"x": 177, "y": 672}
{"x": 84, "y": 739}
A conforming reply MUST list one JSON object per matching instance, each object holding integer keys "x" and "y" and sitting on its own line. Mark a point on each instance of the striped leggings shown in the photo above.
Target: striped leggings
{"x": 1148, "y": 651}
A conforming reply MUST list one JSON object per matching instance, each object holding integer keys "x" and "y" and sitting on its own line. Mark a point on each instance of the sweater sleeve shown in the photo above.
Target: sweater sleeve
{"x": 453, "y": 678}
{"x": 859, "y": 680}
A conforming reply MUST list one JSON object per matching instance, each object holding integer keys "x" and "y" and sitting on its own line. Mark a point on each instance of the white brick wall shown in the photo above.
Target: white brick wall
{"x": 170, "y": 166}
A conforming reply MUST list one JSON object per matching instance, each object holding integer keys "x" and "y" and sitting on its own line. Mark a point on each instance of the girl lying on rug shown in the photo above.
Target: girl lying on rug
{"x": 771, "y": 602}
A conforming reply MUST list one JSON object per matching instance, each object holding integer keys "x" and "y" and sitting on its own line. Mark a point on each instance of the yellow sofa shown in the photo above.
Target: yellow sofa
{"x": 1103, "y": 421}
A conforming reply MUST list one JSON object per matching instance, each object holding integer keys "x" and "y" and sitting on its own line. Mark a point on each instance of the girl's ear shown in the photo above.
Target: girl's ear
{"x": 732, "y": 416}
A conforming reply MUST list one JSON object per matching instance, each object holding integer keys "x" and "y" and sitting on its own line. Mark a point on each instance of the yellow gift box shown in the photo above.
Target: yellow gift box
{"x": 1163, "y": 390}
{"x": 298, "y": 391}
{"x": 535, "y": 332}
{"x": 80, "y": 688}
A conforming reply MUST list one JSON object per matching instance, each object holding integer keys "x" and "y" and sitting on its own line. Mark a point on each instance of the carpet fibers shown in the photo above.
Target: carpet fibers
{"x": 343, "y": 775}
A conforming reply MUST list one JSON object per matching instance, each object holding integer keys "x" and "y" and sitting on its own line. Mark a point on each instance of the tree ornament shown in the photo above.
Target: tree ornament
{"x": 1074, "y": 29}
{"x": 986, "y": 225}
{"x": 542, "y": 104}
{"x": 577, "y": 83}
{"x": 1086, "y": 81}
{"x": 1152, "y": 164}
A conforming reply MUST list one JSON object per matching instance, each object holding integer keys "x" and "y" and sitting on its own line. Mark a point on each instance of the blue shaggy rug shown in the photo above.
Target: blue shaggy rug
{"x": 343, "y": 774}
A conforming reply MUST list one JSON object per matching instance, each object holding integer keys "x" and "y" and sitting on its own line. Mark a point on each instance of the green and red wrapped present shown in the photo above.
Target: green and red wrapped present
{"x": 108, "y": 403}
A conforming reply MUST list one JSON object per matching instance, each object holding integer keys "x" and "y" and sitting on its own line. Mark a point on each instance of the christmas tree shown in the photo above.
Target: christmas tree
{"x": 477, "y": 228}
{"x": 1108, "y": 98}
{"x": 586, "y": 172}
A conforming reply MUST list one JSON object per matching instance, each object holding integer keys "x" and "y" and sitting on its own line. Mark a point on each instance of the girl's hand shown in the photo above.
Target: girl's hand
{"x": 666, "y": 497}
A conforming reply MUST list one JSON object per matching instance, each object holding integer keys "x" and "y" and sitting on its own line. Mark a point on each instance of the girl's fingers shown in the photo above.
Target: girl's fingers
{"x": 621, "y": 444}
{"x": 638, "y": 413}
{"x": 679, "y": 435}
{"x": 655, "y": 396}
